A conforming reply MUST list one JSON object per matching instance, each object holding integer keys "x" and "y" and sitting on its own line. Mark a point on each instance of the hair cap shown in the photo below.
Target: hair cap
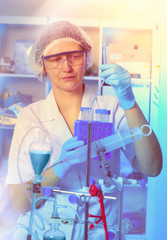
{"x": 51, "y": 35}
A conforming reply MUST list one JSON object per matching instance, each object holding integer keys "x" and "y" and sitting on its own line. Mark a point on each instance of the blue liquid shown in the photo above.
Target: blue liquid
{"x": 54, "y": 238}
{"x": 39, "y": 160}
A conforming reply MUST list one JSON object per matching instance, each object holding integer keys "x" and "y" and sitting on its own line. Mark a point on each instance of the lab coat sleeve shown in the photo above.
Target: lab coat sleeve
{"x": 117, "y": 117}
{"x": 122, "y": 125}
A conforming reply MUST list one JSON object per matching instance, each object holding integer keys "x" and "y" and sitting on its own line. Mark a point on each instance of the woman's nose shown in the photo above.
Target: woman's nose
{"x": 66, "y": 65}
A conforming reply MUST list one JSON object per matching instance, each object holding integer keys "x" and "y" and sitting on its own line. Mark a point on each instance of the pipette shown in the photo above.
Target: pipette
{"x": 102, "y": 82}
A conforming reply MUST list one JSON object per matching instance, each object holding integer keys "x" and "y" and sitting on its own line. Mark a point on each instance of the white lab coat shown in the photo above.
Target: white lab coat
{"x": 45, "y": 113}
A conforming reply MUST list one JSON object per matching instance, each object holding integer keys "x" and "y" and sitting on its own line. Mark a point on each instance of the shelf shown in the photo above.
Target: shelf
{"x": 128, "y": 24}
{"x": 141, "y": 81}
{"x": 16, "y": 75}
{"x": 7, "y": 128}
{"x": 23, "y": 20}
{"x": 45, "y": 20}
{"x": 135, "y": 186}
{"x": 135, "y": 237}
{"x": 138, "y": 81}
{"x": 80, "y": 21}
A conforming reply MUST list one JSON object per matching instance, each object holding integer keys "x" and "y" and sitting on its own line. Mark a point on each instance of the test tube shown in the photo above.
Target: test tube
{"x": 102, "y": 115}
{"x": 86, "y": 113}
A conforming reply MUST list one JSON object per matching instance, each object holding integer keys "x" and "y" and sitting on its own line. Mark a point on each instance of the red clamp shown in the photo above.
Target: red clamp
{"x": 96, "y": 191}
{"x": 36, "y": 187}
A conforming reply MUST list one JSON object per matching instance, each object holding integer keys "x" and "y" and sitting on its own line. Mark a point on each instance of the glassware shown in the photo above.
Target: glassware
{"x": 54, "y": 233}
{"x": 40, "y": 152}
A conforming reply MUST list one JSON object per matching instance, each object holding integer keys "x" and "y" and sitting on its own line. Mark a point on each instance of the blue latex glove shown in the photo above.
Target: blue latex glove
{"x": 68, "y": 156}
{"x": 119, "y": 78}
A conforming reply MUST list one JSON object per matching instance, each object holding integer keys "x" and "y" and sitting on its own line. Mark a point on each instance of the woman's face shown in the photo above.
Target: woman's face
{"x": 65, "y": 77}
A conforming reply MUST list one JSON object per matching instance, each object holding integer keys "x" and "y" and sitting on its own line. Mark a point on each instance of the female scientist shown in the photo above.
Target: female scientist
{"x": 62, "y": 53}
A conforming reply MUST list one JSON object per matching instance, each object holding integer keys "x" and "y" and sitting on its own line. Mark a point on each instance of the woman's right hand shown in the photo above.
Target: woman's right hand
{"x": 68, "y": 157}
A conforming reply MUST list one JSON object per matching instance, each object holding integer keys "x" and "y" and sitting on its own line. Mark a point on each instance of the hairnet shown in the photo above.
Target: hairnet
{"x": 54, "y": 33}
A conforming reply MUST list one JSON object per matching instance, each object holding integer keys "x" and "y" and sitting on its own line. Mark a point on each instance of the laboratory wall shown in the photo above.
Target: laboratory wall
{"x": 131, "y": 12}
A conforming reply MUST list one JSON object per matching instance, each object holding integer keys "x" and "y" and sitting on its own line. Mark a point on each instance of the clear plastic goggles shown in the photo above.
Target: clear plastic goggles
{"x": 74, "y": 58}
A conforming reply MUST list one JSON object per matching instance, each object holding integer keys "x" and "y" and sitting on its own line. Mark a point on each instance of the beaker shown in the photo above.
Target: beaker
{"x": 54, "y": 233}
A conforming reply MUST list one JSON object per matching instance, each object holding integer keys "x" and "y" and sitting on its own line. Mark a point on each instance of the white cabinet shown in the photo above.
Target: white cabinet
{"x": 137, "y": 49}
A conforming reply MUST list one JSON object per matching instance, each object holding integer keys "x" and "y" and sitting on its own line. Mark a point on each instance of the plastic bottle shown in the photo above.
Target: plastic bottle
{"x": 86, "y": 114}
{"x": 102, "y": 115}
{"x": 54, "y": 233}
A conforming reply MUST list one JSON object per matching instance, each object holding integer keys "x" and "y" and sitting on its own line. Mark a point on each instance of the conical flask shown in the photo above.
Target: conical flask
{"x": 54, "y": 233}
{"x": 40, "y": 152}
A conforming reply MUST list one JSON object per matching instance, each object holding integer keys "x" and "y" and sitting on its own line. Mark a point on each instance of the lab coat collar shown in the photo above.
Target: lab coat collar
{"x": 88, "y": 96}
{"x": 50, "y": 108}
{"x": 87, "y": 99}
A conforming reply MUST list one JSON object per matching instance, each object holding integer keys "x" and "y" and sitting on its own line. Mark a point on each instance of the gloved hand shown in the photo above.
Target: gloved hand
{"x": 68, "y": 157}
{"x": 119, "y": 78}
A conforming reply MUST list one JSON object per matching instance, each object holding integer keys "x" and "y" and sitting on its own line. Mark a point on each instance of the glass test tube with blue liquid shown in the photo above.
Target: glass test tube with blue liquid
{"x": 40, "y": 153}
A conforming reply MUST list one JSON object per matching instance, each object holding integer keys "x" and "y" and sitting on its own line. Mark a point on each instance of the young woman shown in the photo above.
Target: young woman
{"x": 62, "y": 53}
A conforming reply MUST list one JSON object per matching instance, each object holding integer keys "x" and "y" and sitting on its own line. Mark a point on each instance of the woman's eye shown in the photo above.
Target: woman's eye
{"x": 54, "y": 59}
{"x": 74, "y": 56}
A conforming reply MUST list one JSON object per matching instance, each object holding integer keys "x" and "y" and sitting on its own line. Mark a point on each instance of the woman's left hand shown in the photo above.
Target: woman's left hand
{"x": 119, "y": 78}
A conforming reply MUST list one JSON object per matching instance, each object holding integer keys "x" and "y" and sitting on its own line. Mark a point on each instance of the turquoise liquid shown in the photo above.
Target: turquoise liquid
{"x": 54, "y": 238}
{"x": 39, "y": 160}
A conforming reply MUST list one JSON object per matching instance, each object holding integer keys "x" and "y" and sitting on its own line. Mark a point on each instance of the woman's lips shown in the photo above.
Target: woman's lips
{"x": 68, "y": 77}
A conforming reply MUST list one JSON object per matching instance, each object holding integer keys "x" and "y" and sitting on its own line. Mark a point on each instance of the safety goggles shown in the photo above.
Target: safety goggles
{"x": 74, "y": 58}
